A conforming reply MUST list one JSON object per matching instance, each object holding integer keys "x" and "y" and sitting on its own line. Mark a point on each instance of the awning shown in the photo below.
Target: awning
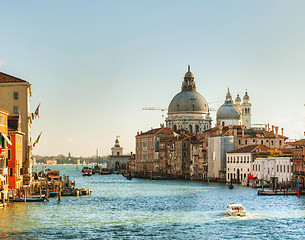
{"x": 6, "y": 138}
{"x": 2, "y": 178}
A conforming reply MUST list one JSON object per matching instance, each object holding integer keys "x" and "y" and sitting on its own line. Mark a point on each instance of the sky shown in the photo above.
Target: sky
{"x": 94, "y": 65}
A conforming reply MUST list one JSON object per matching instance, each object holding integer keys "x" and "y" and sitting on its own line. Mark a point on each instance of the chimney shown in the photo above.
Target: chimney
{"x": 220, "y": 130}
{"x": 243, "y": 130}
{"x": 272, "y": 128}
{"x": 137, "y": 133}
{"x": 230, "y": 130}
{"x": 276, "y": 131}
{"x": 282, "y": 131}
{"x": 268, "y": 127}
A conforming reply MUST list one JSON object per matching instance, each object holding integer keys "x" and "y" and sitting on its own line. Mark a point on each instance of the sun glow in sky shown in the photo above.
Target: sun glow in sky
{"x": 94, "y": 65}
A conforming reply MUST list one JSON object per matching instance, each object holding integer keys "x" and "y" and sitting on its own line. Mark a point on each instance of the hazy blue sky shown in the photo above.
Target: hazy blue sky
{"x": 95, "y": 64}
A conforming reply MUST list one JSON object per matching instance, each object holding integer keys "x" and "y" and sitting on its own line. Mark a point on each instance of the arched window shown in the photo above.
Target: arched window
{"x": 197, "y": 128}
{"x": 191, "y": 128}
{"x": 175, "y": 127}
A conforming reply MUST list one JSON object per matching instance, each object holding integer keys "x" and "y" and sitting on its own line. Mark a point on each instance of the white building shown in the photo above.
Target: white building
{"x": 276, "y": 167}
{"x": 188, "y": 109}
{"x": 239, "y": 162}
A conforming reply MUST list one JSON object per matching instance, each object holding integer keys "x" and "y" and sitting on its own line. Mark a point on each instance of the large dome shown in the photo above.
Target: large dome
{"x": 188, "y": 102}
{"x": 228, "y": 111}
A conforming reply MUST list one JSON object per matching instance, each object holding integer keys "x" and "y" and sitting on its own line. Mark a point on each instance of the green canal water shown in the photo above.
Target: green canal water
{"x": 151, "y": 209}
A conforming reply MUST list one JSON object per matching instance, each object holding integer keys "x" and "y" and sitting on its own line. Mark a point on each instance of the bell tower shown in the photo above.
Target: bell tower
{"x": 117, "y": 149}
{"x": 246, "y": 111}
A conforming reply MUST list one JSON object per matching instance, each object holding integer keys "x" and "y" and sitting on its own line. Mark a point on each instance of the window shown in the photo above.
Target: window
{"x": 248, "y": 159}
{"x": 239, "y": 142}
{"x": 197, "y": 128}
{"x": 288, "y": 168}
{"x": 271, "y": 142}
{"x": 262, "y": 142}
{"x": 284, "y": 168}
{"x": 16, "y": 95}
{"x": 175, "y": 127}
{"x": 237, "y": 160}
{"x": 9, "y": 154}
{"x": 10, "y": 172}
{"x": 277, "y": 168}
{"x": 280, "y": 142}
{"x": 259, "y": 167}
{"x": 246, "y": 142}
{"x": 281, "y": 168}
{"x": 234, "y": 160}
{"x": 254, "y": 140}
{"x": 15, "y": 110}
{"x": 191, "y": 128}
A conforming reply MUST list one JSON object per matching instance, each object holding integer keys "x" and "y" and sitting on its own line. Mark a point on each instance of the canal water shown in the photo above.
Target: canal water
{"x": 152, "y": 209}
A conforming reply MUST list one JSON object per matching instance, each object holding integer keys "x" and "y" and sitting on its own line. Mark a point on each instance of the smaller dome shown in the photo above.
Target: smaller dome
{"x": 246, "y": 97}
{"x": 228, "y": 110}
{"x": 238, "y": 99}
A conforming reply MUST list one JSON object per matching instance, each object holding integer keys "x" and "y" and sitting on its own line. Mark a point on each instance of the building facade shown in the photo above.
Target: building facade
{"x": 15, "y": 176}
{"x": 4, "y": 142}
{"x": 279, "y": 168}
{"x": 15, "y": 95}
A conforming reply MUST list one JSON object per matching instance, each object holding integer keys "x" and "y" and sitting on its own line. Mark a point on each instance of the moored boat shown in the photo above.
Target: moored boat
{"x": 87, "y": 171}
{"x": 28, "y": 199}
{"x": 230, "y": 186}
{"x": 236, "y": 209}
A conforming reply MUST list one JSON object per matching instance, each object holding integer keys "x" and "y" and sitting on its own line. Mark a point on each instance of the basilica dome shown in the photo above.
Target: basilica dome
{"x": 188, "y": 102}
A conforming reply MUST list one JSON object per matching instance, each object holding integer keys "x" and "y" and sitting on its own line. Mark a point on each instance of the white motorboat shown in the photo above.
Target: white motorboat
{"x": 236, "y": 209}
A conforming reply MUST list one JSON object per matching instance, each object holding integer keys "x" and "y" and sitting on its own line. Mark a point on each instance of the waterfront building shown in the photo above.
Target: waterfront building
{"x": 148, "y": 144}
{"x": 238, "y": 113}
{"x": 239, "y": 162}
{"x": 15, "y": 177}
{"x": 188, "y": 109}
{"x": 117, "y": 161}
{"x": 4, "y": 142}
{"x": 298, "y": 162}
{"x": 15, "y": 96}
{"x": 278, "y": 168}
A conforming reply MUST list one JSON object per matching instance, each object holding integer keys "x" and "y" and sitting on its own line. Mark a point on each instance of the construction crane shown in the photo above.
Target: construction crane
{"x": 156, "y": 109}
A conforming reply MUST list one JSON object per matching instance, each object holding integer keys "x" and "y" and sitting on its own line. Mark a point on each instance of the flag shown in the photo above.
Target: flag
{"x": 37, "y": 140}
{"x": 36, "y": 114}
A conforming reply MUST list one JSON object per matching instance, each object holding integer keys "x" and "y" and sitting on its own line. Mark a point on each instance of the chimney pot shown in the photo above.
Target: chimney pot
{"x": 282, "y": 131}
{"x": 272, "y": 128}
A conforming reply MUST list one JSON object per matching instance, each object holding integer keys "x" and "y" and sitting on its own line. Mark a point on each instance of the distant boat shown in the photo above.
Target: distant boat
{"x": 230, "y": 186}
{"x": 236, "y": 209}
{"x": 44, "y": 192}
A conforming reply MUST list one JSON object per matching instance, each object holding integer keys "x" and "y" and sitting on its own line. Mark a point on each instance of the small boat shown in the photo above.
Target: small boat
{"x": 230, "y": 186}
{"x": 87, "y": 171}
{"x": 104, "y": 171}
{"x": 236, "y": 209}
{"x": 44, "y": 192}
{"x": 28, "y": 199}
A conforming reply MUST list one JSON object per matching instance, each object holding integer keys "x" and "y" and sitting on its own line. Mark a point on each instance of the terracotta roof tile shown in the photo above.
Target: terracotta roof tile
{"x": 5, "y": 78}
{"x": 250, "y": 149}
